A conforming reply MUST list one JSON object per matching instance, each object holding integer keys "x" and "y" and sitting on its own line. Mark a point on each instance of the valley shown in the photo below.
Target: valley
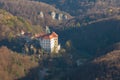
{"x": 59, "y": 40}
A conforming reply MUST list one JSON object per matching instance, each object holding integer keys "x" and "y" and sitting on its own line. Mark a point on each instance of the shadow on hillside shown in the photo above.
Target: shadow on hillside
{"x": 13, "y": 45}
{"x": 93, "y": 38}
{"x": 31, "y": 75}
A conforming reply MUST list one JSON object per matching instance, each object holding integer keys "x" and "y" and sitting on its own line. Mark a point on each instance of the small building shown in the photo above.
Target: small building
{"x": 49, "y": 42}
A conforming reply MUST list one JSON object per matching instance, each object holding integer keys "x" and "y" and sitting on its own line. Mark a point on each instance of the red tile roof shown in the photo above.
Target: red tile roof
{"x": 48, "y": 36}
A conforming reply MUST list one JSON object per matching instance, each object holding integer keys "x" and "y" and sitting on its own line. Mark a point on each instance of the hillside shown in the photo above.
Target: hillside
{"x": 106, "y": 67}
{"x": 11, "y": 25}
{"x": 38, "y": 13}
{"x": 14, "y": 66}
{"x": 90, "y": 41}
{"x": 83, "y": 7}
{"x": 85, "y": 11}
{"x": 94, "y": 37}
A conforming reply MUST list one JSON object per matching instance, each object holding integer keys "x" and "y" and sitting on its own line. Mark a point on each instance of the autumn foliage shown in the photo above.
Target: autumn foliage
{"x": 13, "y": 65}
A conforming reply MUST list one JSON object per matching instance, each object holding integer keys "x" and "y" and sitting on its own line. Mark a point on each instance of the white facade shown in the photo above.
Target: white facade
{"x": 49, "y": 43}
{"x": 45, "y": 44}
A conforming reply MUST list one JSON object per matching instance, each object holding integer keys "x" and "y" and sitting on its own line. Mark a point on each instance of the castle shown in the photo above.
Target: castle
{"x": 49, "y": 41}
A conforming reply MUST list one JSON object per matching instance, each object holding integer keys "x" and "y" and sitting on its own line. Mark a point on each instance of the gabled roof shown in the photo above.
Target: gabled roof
{"x": 53, "y": 34}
